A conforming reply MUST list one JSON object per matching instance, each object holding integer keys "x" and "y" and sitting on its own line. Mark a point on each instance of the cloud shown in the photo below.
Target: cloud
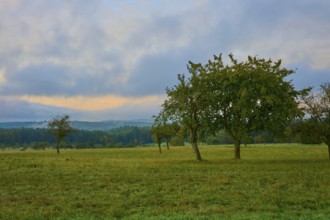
{"x": 295, "y": 31}
{"x": 57, "y": 53}
{"x": 305, "y": 76}
{"x": 16, "y": 110}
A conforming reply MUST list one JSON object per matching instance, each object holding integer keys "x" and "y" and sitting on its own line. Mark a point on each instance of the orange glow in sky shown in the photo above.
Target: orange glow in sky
{"x": 89, "y": 103}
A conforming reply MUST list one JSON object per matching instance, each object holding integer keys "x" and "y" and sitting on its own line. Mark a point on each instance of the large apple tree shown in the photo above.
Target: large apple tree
{"x": 248, "y": 96}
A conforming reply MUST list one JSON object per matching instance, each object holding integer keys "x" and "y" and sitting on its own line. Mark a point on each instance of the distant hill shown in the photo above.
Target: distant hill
{"x": 83, "y": 125}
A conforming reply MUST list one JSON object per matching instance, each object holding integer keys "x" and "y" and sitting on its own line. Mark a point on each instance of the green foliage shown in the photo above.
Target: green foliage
{"x": 177, "y": 141}
{"x": 306, "y": 130}
{"x": 130, "y": 136}
{"x": 272, "y": 182}
{"x": 220, "y": 137}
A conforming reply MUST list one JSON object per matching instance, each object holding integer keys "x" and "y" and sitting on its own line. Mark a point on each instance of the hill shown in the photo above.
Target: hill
{"x": 83, "y": 125}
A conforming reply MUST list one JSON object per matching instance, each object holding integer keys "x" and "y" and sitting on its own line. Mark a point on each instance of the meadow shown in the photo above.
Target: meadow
{"x": 285, "y": 181}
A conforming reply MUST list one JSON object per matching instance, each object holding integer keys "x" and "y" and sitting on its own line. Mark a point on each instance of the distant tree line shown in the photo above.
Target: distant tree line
{"x": 40, "y": 138}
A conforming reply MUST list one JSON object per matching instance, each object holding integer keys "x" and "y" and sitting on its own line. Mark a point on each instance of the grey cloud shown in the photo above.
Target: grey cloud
{"x": 50, "y": 79}
{"x": 45, "y": 79}
{"x": 305, "y": 77}
{"x": 155, "y": 73}
{"x": 15, "y": 110}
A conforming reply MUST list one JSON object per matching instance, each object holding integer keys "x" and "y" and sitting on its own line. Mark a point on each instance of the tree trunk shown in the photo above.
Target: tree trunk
{"x": 58, "y": 147}
{"x": 167, "y": 144}
{"x": 327, "y": 142}
{"x": 194, "y": 145}
{"x": 196, "y": 150}
{"x": 160, "y": 148}
{"x": 237, "y": 149}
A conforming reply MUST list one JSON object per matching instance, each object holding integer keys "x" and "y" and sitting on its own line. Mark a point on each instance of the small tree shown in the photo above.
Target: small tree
{"x": 161, "y": 129}
{"x": 60, "y": 128}
{"x": 170, "y": 131}
{"x": 317, "y": 109}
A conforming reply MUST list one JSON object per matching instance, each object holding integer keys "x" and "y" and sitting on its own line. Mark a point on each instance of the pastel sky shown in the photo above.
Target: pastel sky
{"x": 113, "y": 59}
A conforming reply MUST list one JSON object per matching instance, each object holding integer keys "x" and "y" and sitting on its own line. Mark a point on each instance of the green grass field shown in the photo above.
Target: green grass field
{"x": 270, "y": 182}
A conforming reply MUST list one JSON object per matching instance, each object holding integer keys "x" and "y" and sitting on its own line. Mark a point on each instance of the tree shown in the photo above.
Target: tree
{"x": 60, "y": 128}
{"x": 317, "y": 109}
{"x": 163, "y": 130}
{"x": 185, "y": 105}
{"x": 249, "y": 96}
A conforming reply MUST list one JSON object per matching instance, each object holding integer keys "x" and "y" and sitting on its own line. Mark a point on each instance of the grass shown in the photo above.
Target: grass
{"x": 270, "y": 182}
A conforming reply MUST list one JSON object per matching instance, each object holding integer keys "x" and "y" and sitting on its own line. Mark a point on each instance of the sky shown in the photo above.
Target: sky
{"x": 113, "y": 59}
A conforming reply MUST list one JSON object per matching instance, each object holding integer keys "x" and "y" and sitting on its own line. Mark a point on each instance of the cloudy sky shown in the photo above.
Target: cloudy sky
{"x": 113, "y": 59}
